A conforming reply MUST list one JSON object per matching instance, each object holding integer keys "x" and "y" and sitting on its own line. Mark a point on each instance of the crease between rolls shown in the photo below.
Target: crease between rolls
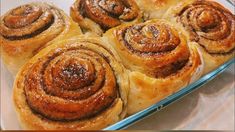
{"x": 207, "y": 25}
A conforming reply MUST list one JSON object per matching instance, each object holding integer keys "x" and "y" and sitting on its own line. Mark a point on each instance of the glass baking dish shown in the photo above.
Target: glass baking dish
{"x": 8, "y": 117}
{"x": 170, "y": 99}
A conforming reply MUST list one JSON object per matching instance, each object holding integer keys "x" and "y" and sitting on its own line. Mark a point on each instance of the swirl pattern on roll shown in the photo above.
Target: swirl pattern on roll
{"x": 71, "y": 83}
{"x": 29, "y": 20}
{"x": 155, "y": 46}
{"x": 107, "y": 13}
{"x": 210, "y": 24}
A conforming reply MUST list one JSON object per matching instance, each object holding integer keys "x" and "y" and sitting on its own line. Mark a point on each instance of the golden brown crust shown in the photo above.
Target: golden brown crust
{"x": 212, "y": 61}
{"x": 72, "y": 84}
{"x": 28, "y": 28}
{"x": 153, "y": 47}
{"x": 155, "y": 8}
{"x": 79, "y": 83}
{"x": 98, "y": 16}
{"x": 210, "y": 26}
{"x": 159, "y": 60}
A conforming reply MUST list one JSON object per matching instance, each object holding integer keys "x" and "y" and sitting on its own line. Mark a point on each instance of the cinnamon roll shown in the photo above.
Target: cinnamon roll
{"x": 159, "y": 60}
{"x": 97, "y": 16}
{"x": 72, "y": 84}
{"x": 210, "y": 26}
{"x": 26, "y": 29}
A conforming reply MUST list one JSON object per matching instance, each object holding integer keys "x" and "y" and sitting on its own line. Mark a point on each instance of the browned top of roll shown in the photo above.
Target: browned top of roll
{"x": 210, "y": 24}
{"x": 70, "y": 83}
{"x": 29, "y": 20}
{"x": 107, "y": 13}
{"x": 155, "y": 45}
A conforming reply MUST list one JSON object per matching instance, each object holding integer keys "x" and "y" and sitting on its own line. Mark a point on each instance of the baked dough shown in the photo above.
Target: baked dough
{"x": 210, "y": 26}
{"x": 28, "y": 28}
{"x": 159, "y": 59}
{"x": 152, "y": 9}
{"x": 97, "y": 16}
{"x": 73, "y": 84}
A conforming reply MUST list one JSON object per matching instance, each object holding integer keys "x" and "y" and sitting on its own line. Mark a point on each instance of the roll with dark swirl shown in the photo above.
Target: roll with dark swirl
{"x": 211, "y": 26}
{"x": 159, "y": 59}
{"x": 26, "y": 29}
{"x": 72, "y": 84}
{"x": 100, "y": 15}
